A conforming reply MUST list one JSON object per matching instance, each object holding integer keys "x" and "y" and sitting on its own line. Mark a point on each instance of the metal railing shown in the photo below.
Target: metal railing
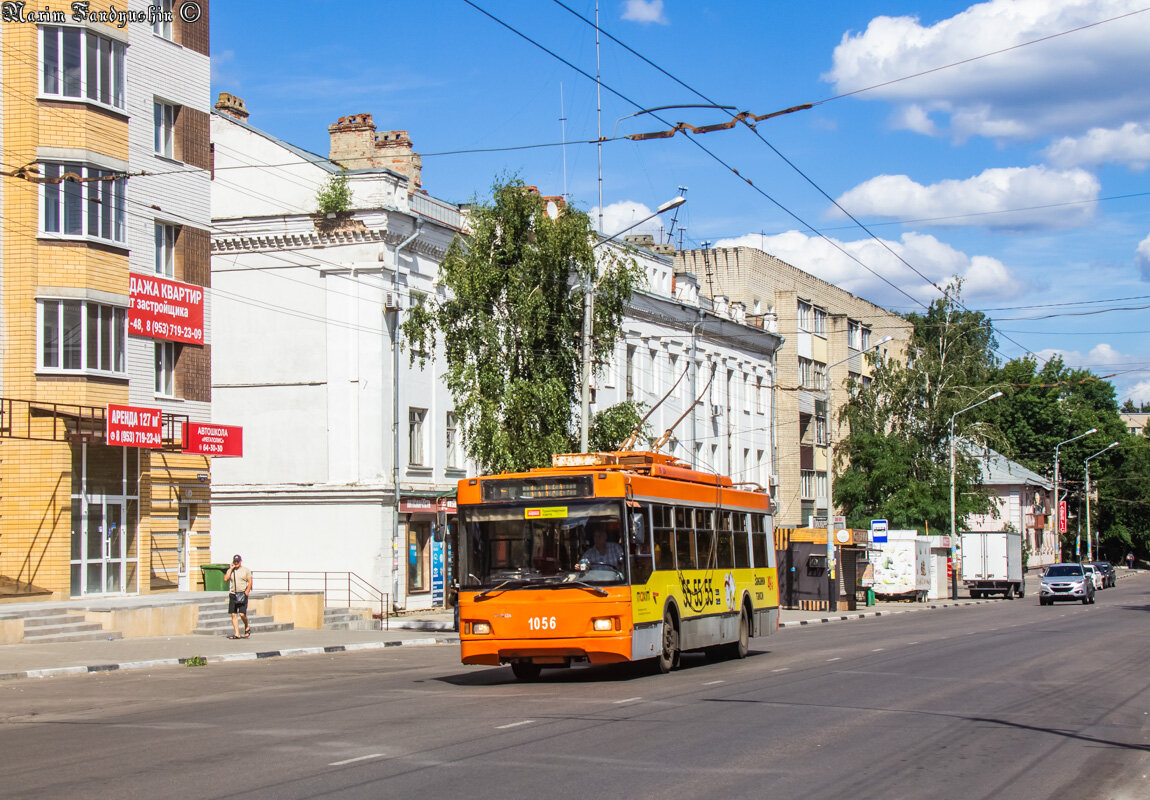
{"x": 337, "y": 587}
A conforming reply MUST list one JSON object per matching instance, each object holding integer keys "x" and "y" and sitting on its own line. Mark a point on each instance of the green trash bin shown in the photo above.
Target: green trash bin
{"x": 870, "y": 597}
{"x": 214, "y": 577}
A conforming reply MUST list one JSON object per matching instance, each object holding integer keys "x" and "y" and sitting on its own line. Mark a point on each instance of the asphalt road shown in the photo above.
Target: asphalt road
{"x": 1006, "y": 700}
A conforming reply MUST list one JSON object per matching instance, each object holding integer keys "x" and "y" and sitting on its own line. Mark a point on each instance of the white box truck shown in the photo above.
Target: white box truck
{"x": 992, "y": 563}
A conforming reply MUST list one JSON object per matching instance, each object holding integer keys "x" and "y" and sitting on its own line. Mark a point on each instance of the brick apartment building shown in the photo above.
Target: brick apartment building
{"x": 825, "y": 332}
{"x": 103, "y": 278}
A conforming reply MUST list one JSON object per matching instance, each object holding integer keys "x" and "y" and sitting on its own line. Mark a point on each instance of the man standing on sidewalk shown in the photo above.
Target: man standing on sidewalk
{"x": 239, "y": 579}
{"x": 1130, "y": 560}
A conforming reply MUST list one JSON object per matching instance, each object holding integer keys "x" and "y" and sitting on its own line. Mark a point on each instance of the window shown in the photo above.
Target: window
{"x": 820, "y": 318}
{"x": 164, "y": 128}
{"x": 853, "y": 338}
{"x": 820, "y": 430}
{"x": 821, "y": 485}
{"x": 864, "y": 338}
{"x": 759, "y": 394}
{"x": 819, "y": 375}
{"x": 79, "y": 63}
{"x": 162, "y": 27}
{"x": 94, "y": 207}
{"x": 166, "y": 236}
{"x": 806, "y": 373}
{"x": 804, "y": 316}
{"x": 80, "y": 336}
{"x": 629, "y": 375}
{"x": 807, "y": 484}
{"x": 454, "y": 460}
{"x": 166, "y": 369}
{"x": 415, "y": 417}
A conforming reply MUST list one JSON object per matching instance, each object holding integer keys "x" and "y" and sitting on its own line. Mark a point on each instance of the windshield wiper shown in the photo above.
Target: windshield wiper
{"x": 515, "y": 583}
{"x": 598, "y": 591}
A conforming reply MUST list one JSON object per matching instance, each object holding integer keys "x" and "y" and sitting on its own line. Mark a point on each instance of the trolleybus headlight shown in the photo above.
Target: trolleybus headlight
{"x": 605, "y": 624}
{"x": 481, "y": 628}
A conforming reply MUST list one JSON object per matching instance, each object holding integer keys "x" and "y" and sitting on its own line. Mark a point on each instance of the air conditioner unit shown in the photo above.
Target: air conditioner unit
{"x": 716, "y": 410}
{"x": 391, "y": 301}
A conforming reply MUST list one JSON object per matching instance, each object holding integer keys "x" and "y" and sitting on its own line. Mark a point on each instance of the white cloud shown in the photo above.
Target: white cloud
{"x": 1129, "y": 145}
{"x": 985, "y": 278}
{"x": 914, "y": 118}
{"x": 972, "y": 202}
{"x": 644, "y": 11}
{"x": 618, "y": 216}
{"x": 1132, "y": 378}
{"x": 1142, "y": 257}
{"x": 1139, "y": 392}
{"x": 1066, "y": 85}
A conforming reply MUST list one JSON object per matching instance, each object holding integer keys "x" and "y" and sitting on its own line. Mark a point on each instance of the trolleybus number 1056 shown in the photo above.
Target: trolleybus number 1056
{"x": 541, "y": 623}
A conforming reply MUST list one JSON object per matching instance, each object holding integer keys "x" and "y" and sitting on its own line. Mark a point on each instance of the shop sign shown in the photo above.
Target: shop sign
{"x": 417, "y": 505}
{"x": 162, "y": 309}
{"x": 133, "y": 426}
{"x": 209, "y": 439}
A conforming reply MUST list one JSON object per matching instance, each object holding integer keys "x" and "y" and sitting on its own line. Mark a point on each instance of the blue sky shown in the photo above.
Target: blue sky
{"x": 1023, "y": 171}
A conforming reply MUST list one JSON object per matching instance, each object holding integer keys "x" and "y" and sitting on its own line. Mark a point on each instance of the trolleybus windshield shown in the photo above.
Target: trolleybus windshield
{"x": 542, "y": 545}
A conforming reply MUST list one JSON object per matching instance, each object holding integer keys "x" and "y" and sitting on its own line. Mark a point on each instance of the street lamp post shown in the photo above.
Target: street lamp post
{"x": 953, "y": 523}
{"x": 1057, "y": 499}
{"x": 1089, "y": 546}
{"x": 832, "y": 580}
{"x": 588, "y": 314}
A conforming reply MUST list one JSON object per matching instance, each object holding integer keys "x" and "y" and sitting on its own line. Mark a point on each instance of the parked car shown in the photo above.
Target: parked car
{"x": 1109, "y": 574}
{"x": 1065, "y": 582}
{"x": 1095, "y": 576}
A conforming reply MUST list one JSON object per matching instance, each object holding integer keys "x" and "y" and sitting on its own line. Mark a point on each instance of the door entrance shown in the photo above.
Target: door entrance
{"x": 184, "y": 582}
{"x": 104, "y": 548}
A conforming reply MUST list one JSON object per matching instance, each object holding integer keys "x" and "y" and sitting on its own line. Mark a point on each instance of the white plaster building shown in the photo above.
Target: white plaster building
{"x": 304, "y": 352}
{"x": 1022, "y": 501}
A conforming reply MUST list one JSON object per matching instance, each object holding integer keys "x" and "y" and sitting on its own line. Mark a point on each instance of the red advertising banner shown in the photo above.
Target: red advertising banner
{"x": 209, "y": 439}
{"x": 133, "y": 426}
{"x": 1062, "y": 517}
{"x": 162, "y": 309}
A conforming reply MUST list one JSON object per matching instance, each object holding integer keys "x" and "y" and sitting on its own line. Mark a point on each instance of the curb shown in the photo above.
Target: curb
{"x": 58, "y": 672}
{"x": 885, "y": 613}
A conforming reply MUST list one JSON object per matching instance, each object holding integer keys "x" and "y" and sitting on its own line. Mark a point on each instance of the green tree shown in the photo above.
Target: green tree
{"x": 335, "y": 195}
{"x": 610, "y": 427}
{"x": 510, "y": 323}
{"x": 898, "y": 447}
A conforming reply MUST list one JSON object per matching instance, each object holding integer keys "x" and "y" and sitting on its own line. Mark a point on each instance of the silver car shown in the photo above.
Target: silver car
{"x": 1065, "y": 582}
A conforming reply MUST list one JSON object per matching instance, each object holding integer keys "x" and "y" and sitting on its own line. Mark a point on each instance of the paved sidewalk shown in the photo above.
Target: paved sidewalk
{"x": 77, "y": 658}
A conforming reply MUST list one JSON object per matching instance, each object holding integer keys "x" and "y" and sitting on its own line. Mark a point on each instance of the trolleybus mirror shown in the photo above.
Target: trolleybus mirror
{"x": 638, "y": 532}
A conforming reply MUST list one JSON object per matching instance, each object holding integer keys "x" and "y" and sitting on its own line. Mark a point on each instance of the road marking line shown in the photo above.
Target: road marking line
{"x": 513, "y": 724}
{"x": 353, "y": 760}
{"x": 836, "y": 658}
{"x": 627, "y": 700}
{"x": 878, "y": 650}
{"x": 712, "y": 683}
{"x": 912, "y": 642}
{"x": 780, "y": 669}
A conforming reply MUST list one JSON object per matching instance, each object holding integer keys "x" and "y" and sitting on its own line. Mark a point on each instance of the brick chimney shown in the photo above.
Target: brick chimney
{"x": 232, "y": 106}
{"x": 355, "y": 144}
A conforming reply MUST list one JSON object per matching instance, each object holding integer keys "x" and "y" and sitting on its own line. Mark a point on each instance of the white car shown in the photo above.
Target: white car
{"x": 1096, "y": 577}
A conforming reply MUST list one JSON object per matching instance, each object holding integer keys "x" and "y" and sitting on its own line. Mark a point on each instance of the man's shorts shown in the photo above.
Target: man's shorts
{"x": 237, "y": 608}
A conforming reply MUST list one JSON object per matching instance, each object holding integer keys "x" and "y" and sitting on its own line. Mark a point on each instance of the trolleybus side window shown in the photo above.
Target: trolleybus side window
{"x": 705, "y": 538}
{"x": 759, "y": 541}
{"x": 662, "y": 522}
{"x": 726, "y": 541}
{"x": 684, "y": 547}
{"x": 742, "y": 544}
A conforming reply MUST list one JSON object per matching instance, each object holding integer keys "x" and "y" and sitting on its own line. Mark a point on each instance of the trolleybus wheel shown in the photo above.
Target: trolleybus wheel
{"x": 739, "y": 648}
{"x": 669, "y": 656}
{"x": 526, "y": 670}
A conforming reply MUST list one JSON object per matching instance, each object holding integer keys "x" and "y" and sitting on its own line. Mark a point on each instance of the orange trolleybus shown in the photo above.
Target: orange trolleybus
{"x": 612, "y": 557}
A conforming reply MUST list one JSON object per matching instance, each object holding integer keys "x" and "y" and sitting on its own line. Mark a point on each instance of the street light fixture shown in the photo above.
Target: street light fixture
{"x": 832, "y": 580}
{"x": 1089, "y": 547}
{"x": 953, "y": 523}
{"x": 588, "y": 313}
{"x": 1057, "y": 498}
